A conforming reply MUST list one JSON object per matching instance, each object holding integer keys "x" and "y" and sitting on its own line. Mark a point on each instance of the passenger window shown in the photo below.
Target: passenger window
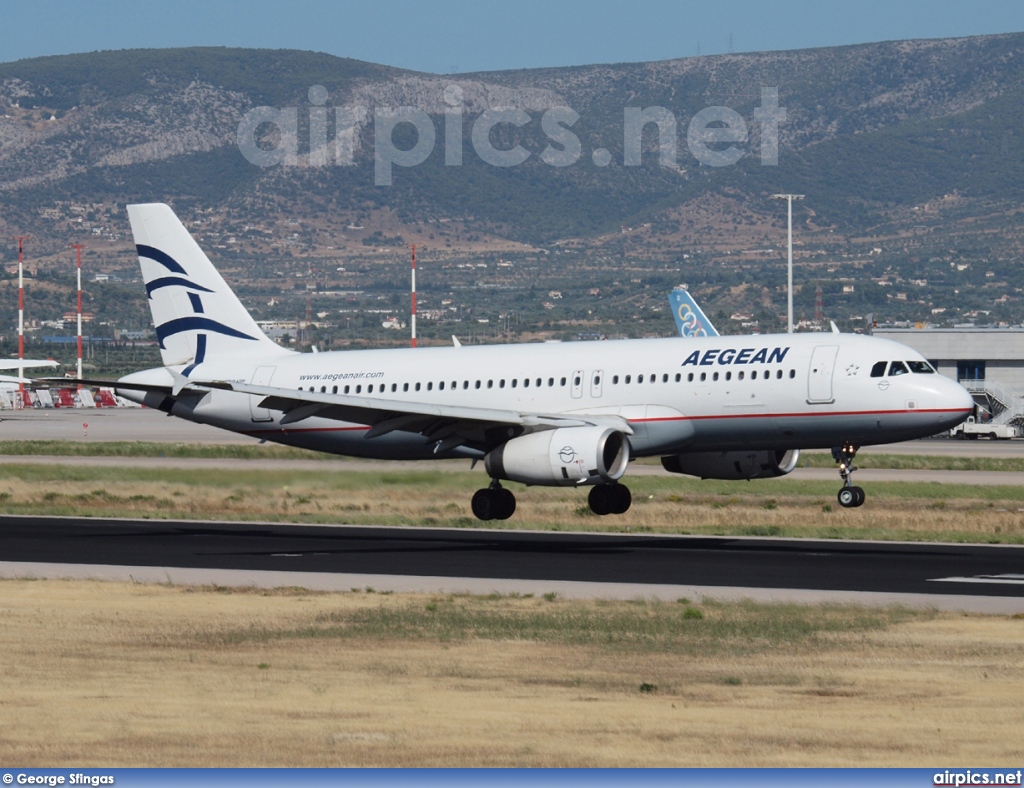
{"x": 490, "y": 384}
{"x": 370, "y": 388}
{"x": 778, "y": 375}
{"x": 394, "y": 387}
{"x": 514, "y": 382}
{"x": 740, "y": 376}
{"x": 440, "y": 386}
{"x": 576, "y": 380}
{"x": 597, "y": 380}
{"x": 703, "y": 376}
{"x": 346, "y": 389}
{"x": 728, "y": 375}
{"x": 417, "y": 386}
{"x": 430, "y": 386}
{"x": 562, "y": 381}
{"x": 664, "y": 378}
{"x": 715, "y": 376}
{"x": 359, "y": 389}
{"x": 897, "y": 368}
{"x": 753, "y": 375}
{"x": 878, "y": 370}
{"x": 334, "y": 389}
{"x": 679, "y": 377}
{"x": 615, "y": 380}
{"x": 526, "y": 383}
{"x": 465, "y": 384}
{"x": 477, "y": 384}
{"x": 639, "y": 378}
{"x": 689, "y": 378}
{"x": 792, "y": 374}
{"x": 405, "y": 387}
{"x": 501, "y": 383}
{"x": 628, "y": 378}
{"x": 921, "y": 367}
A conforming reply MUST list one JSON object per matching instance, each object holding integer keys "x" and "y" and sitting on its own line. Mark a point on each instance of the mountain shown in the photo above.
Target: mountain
{"x": 911, "y": 148}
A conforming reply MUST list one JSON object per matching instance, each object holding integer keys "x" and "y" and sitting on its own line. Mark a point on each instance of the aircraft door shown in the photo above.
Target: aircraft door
{"x": 577, "y": 384}
{"x": 819, "y": 377}
{"x": 261, "y": 377}
{"x": 596, "y": 378}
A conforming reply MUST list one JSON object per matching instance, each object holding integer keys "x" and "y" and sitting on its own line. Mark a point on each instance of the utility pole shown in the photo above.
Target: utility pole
{"x": 78, "y": 248}
{"x": 412, "y": 320}
{"x": 21, "y": 320}
{"x": 789, "y": 282}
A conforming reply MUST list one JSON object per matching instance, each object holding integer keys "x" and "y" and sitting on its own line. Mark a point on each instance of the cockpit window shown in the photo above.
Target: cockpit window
{"x": 921, "y": 367}
{"x": 897, "y": 368}
{"x": 878, "y": 370}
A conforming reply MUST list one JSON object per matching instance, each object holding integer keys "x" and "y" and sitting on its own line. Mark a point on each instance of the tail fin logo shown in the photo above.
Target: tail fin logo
{"x": 690, "y": 319}
{"x": 197, "y": 321}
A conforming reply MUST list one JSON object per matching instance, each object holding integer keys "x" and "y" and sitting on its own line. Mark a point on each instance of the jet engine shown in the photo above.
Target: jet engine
{"x": 733, "y": 464}
{"x": 567, "y": 456}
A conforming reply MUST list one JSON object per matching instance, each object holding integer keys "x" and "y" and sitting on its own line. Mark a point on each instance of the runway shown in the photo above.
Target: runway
{"x": 979, "y": 578}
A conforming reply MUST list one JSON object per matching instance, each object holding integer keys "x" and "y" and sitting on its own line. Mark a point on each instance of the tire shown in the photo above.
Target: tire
{"x": 860, "y": 496}
{"x": 506, "y": 504}
{"x": 621, "y": 499}
{"x": 600, "y": 499}
{"x": 847, "y": 497}
{"x": 483, "y": 504}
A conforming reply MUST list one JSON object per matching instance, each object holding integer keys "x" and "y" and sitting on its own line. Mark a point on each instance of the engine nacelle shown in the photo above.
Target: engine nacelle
{"x": 562, "y": 457}
{"x": 733, "y": 465}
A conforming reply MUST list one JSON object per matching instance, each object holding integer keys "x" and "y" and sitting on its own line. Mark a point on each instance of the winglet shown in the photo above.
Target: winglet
{"x": 455, "y": 341}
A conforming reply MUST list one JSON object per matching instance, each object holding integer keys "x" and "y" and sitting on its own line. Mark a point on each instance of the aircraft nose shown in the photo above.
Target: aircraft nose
{"x": 958, "y": 401}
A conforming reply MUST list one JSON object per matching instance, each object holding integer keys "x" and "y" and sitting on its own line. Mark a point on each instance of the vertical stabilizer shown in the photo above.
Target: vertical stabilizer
{"x": 690, "y": 318}
{"x": 196, "y": 315}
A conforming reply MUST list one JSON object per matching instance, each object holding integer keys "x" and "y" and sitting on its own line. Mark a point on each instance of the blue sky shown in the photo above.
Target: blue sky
{"x": 462, "y": 35}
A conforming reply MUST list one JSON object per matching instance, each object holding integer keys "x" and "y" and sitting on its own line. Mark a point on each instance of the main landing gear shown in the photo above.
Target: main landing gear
{"x": 497, "y": 503}
{"x": 609, "y": 498}
{"x": 494, "y": 502}
{"x": 849, "y": 496}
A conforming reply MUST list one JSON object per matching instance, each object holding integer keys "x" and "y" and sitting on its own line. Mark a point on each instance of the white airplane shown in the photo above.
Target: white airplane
{"x": 563, "y": 414}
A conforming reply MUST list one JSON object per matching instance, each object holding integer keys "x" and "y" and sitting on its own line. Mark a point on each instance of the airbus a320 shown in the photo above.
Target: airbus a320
{"x": 556, "y": 414}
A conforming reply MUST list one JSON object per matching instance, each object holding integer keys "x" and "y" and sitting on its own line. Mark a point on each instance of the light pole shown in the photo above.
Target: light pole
{"x": 789, "y": 281}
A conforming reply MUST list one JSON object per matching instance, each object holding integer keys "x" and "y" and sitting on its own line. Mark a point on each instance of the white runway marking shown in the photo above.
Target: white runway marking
{"x": 1002, "y": 579}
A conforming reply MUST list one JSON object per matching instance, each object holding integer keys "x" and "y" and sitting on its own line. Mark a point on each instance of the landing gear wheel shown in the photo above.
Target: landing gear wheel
{"x": 609, "y": 499}
{"x": 621, "y": 498}
{"x": 851, "y": 497}
{"x": 600, "y": 499}
{"x": 506, "y": 504}
{"x": 493, "y": 503}
{"x": 483, "y": 505}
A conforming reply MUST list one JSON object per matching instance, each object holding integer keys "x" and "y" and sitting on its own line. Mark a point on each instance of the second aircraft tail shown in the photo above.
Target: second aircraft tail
{"x": 690, "y": 318}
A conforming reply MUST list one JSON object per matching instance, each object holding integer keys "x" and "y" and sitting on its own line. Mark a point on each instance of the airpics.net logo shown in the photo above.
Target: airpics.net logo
{"x": 716, "y": 136}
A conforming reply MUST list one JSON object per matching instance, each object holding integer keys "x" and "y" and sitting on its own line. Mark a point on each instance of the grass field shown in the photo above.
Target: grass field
{"x": 110, "y": 674}
{"x": 395, "y": 496}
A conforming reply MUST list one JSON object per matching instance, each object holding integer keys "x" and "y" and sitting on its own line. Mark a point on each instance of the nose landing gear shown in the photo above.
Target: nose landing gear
{"x": 849, "y": 495}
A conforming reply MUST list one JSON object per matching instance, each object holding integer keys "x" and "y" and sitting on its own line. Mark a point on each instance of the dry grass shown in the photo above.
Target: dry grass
{"x": 130, "y": 675}
{"x": 773, "y": 507}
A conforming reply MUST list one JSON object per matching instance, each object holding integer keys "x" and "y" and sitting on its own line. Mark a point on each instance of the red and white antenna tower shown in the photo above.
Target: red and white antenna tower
{"x": 413, "y": 320}
{"x": 21, "y": 317}
{"x": 78, "y": 248}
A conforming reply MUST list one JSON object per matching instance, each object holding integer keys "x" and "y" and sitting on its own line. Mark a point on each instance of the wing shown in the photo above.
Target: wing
{"x": 449, "y": 425}
{"x": 26, "y": 363}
